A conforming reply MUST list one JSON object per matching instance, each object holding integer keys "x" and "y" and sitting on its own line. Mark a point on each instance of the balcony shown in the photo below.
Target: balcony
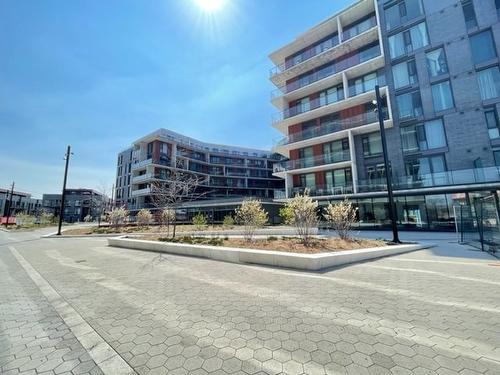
{"x": 328, "y": 70}
{"x": 359, "y": 28}
{"x": 448, "y": 178}
{"x": 333, "y": 127}
{"x": 139, "y": 192}
{"x": 315, "y": 161}
{"x": 142, "y": 178}
{"x": 145, "y": 163}
{"x": 322, "y": 190}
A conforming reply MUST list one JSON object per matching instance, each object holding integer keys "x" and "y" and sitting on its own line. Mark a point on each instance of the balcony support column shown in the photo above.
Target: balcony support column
{"x": 354, "y": 167}
{"x": 174, "y": 154}
{"x": 288, "y": 182}
{"x": 339, "y": 27}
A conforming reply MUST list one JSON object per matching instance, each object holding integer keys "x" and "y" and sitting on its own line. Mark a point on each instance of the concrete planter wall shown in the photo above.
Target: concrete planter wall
{"x": 310, "y": 262}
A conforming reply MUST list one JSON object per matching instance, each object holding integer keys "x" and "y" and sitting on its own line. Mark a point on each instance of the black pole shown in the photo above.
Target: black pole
{"x": 388, "y": 175}
{"x": 63, "y": 197}
{"x": 7, "y": 207}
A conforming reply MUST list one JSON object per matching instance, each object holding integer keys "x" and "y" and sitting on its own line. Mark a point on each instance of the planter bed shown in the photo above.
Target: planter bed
{"x": 301, "y": 261}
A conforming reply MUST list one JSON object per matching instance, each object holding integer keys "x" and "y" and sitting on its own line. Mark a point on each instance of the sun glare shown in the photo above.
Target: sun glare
{"x": 210, "y": 6}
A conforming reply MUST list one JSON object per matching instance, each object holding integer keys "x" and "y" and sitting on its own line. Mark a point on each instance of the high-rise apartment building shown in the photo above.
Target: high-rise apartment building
{"x": 227, "y": 173}
{"x": 437, "y": 65}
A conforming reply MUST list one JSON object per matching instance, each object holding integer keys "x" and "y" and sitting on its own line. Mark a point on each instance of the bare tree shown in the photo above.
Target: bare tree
{"x": 100, "y": 205}
{"x": 179, "y": 187}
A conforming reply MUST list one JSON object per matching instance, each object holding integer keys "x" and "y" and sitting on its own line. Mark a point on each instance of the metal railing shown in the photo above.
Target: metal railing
{"x": 333, "y": 127}
{"x": 314, "y": 161}
{"x": 329, "y": 70}
{"x": 322, "y": 190}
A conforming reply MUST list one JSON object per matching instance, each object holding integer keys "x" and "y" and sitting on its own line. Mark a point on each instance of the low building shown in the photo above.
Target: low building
{"x": 18, "y": 202}
{"x": 79, "y": 203}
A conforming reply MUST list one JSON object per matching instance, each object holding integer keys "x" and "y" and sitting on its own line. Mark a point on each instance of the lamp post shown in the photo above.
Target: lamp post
{"x": 63, "y": 197}
{"x": 388, "y": 175}
{"x": 8, "y": 203}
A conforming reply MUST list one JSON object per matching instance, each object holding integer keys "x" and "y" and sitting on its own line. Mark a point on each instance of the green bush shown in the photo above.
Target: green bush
{"x": 228, "y": 221}
{"x": 199, "y": 221}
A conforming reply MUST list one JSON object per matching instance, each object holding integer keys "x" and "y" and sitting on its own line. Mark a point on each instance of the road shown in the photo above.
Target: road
{"x": 76, "y": 306}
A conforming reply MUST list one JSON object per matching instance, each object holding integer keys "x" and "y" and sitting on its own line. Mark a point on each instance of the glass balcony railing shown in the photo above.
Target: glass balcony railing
{"x": 324, "y": 46}
{"x": 336, "y": 157}
{"x": 448, "y": 178}
{"x": 321, "y": 190}
{"x": 311, "y": 105}
{"x": 366, "y": 86}
{"x": 333, "y": 127}
{"x": 359, "y": 28}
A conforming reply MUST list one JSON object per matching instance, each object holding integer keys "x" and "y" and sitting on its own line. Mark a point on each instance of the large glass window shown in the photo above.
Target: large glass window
{"x": 339, "y": 177}
{"x": 436, "y": 62}
{"x": 404, "y": 74}
{"x": 402, "y": 12}
{"x": 489, "y": 82}
{"x": 496, "y": 155}
{"x": 421, "y": 169}
{"x": 469, "y": 14}
{"x": 408, "y": 40}
{"x": 442, "y": 96}
{"x": 423, "y": 137}
{"x": 372, "y": 144}
{"x": 491, "y": 116}
{"x": 482, "y": 47}
{"x": 409, "y": 105}
{"x": 363, "y": 84}
{"x": 336, "y": 151}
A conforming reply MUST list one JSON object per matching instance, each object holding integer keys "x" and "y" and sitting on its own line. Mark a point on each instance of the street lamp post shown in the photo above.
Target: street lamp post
{"x": 63, "y": 197}
{"x": 388, "y": 175}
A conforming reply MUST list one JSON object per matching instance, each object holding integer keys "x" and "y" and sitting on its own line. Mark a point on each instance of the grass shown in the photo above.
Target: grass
{"x": 284, "y": 244}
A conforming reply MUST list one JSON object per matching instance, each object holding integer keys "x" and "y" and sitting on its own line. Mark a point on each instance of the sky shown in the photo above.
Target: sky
{"x": 98, "y": 74}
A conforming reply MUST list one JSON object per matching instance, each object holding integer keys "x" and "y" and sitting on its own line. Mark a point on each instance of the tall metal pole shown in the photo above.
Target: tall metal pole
{"x": 8, "y": 207}
{"x": 63, "y": 197}
{"x": 388, "y": 175}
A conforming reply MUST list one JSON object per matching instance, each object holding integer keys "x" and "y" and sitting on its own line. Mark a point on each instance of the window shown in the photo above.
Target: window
{"x": 307, "y": 180}
{"x": 404, "y": 74}
{"x": 332, "y": 95}
{"x": 492, "y": 123}
{"x": 363, "y": 84}
{"x": 409, "y": 105}
{"x": 496, "y": 155}
{"x": 423, "y": 137}
{"x": 424, "y": 166}
{"x": 497, "y": 5}
{"x": 482, "y": 47}
{"x": 489, "y": 82}
{"x": 403, "y": 12}
{"x": 469, "y": 14}
{"x": 336, "y": 151}
{"x": 372, "y": 144}
{"x": 375, "y": 173}
{"x": 441, "y": 96}
{"x": 150, "y": 150}
{"x": 408, "y": 41}
{"x": 436, "y": 62}
{"x": 339, "y": 177}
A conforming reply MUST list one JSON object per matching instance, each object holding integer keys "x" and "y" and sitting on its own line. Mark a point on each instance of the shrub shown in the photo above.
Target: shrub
{"x": 46, "y": 218}
{"x": 341, "y": 216}
{"x": 272, "y": 238}
{"x": 117, "y": 216}
{"x": 144, "y": 217}
{"x": 199, "y": 221}
{"x": 286, "y": 214}
{"x": 228, "y": 221}
{"x": 303, "y": 215}
{"x": 251, "y": 216}
{"x": 25, "y": 220}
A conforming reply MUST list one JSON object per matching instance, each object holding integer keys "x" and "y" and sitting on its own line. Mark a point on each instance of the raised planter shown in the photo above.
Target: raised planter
{"x": 309, "y": 262}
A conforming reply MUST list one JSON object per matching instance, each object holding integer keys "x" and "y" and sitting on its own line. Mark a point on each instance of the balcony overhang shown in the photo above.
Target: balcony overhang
{"x": 340, "y": 50}
{"x": 316, "y": 168}
{"x": 281, "y": 101}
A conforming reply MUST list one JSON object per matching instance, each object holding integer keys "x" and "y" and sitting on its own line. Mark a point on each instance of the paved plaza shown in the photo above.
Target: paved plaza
{"x": 76, "y": 306}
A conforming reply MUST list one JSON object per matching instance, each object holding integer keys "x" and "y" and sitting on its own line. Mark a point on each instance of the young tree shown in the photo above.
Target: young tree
{"x": 303, "y": 212}
{"x": 144, "y": 217}
{"x": 251, "y": 216}
{"x": 286, "y": 215}
{"x": 180, "y": 186}
{"x": 341, "y": 217}
{"x": 117, "y": 216}
{"x": 199, "y": 221}
{"x": 165, "y": 217}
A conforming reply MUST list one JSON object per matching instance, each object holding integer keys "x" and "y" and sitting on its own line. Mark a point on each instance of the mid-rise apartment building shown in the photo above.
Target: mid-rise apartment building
{"x": 18, "y": 202}
{"x": 78, "y": 204}
{"x": 227, "y": 173}
{"x": 437, "y": 66}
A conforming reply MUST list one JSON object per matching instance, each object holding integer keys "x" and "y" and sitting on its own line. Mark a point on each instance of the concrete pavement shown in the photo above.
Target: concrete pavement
{"x": 435, "y": 311}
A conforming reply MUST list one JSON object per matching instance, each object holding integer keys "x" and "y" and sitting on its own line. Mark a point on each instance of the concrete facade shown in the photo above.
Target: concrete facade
{"x": 78, "y": 204}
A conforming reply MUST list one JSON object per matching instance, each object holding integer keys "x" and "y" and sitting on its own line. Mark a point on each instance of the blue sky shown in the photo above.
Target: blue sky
{"x": 98, "y": 74}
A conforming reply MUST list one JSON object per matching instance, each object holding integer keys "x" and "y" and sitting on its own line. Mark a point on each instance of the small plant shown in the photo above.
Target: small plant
{"x": 286, "y": 214}
{"x": 303, "y": 215}
{"x": 199, "y": 221}
{"x": 144, "y": 217}
{"x": 251, "y": 216}
{"x": 228, "y": 221}
{"x": 117, "y": 216}
{"x": 341, "y": 216}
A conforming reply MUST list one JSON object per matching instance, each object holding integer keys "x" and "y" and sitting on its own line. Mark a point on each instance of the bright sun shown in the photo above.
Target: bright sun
{"x": 210, "y": 5}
